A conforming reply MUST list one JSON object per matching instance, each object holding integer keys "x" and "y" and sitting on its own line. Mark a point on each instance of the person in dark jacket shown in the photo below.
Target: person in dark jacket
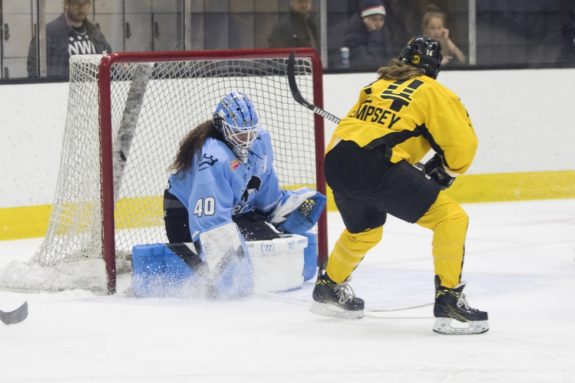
{"x": 69, "y": 34}
{"x": 367, "y": 37}
{"x": 297, "y": 29}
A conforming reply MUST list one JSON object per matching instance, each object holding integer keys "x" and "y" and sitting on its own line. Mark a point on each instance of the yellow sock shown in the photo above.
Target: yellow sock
{"x": 349, "y": 251}
{"x": 449, "y": 224}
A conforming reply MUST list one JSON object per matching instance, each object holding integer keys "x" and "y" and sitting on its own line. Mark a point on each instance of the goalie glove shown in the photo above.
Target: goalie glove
{"x": 298, "y": 211}
{"x": 435, "y": 170}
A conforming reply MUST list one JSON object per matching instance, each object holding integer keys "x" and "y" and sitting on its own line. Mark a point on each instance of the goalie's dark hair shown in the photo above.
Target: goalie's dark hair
{"x": 192, "y": 143}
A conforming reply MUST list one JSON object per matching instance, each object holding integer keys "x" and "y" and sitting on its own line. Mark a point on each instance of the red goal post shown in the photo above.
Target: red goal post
{"x": 127, "y": 113}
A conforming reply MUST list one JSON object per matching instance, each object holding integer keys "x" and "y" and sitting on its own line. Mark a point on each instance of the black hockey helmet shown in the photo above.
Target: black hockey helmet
{"x": 423, "y": 52}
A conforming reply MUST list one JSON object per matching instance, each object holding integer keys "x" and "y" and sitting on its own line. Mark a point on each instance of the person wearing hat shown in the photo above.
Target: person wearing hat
{"x": 367, "y": 37}
{"x": 70, "y": 34}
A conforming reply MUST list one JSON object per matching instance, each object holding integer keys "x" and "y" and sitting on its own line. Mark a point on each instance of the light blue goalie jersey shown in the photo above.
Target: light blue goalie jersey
{"x": 218, "y": 185}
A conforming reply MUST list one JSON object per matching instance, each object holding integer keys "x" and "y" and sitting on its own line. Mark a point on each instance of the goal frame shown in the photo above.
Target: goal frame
{"x": 106, "y": 138}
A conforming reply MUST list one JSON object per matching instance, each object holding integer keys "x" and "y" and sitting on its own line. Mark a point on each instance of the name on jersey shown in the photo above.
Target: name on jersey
{"x": 380, "y": 116}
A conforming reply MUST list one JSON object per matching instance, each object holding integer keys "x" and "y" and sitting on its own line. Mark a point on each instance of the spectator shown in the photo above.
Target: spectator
{"x": 366, "y": 36}
{"x": 297, "y": 29}
{"x": 70, "y": 34}
{"x": 433, "y": 25}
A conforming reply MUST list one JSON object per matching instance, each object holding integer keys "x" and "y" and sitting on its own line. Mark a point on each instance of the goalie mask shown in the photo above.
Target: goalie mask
{"x": 424, "y": 53}
{"x": 236, "y": 119}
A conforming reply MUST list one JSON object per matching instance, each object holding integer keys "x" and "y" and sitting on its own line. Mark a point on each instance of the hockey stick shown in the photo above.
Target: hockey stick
{"x": 405, "y": 308}
{"x": 296, "y": 94}
{"x": 279, "y": 297}
{"x": 15, "y": 316}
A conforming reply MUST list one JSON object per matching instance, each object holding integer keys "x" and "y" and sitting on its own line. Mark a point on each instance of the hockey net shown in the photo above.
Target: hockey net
{"x": 127, "y": 113}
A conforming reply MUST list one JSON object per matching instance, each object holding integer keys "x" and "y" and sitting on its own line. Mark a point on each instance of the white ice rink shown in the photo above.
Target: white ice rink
{"x": 519, "y": 267}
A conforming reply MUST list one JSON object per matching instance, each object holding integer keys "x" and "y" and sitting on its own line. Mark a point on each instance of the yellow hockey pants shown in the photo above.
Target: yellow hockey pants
{"x": 449, "y": 224}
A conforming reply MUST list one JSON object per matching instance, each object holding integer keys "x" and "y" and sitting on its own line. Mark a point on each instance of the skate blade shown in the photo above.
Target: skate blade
{"x": 332, "y": 311}
{"x": 448, "y": 326}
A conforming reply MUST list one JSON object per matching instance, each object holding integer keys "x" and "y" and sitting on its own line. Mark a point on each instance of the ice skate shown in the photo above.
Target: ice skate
{"x": 453, "y": 314}
{"x": 336, "y": 300}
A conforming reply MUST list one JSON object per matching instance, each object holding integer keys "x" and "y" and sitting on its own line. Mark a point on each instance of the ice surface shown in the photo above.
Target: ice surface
{"x": 519, "y": 266}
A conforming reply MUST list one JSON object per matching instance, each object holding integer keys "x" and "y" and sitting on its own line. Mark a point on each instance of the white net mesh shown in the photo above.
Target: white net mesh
{"x": 166, "y": 103}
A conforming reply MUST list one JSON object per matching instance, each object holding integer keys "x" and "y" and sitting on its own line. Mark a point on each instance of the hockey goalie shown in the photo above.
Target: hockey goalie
{"x": 224, "y": 192}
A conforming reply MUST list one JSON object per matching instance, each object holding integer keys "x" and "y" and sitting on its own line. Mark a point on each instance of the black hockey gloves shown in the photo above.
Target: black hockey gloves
{"x": 436, "y": 171}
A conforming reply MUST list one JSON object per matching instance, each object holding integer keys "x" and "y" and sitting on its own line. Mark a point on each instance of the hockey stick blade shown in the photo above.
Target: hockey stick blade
{"x": 296, "y": 94}
{"x": 16, "y": 316}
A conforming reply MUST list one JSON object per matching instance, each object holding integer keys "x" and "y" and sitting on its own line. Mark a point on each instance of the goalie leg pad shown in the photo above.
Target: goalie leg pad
{"x": 228, "y": 271}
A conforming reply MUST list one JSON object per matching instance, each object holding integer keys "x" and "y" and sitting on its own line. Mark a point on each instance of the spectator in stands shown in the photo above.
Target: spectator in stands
{"x": 296, "y": 29}
{"x": 367, "y": 37}
{"x": 70, "y": 34}
{"x": 433, "y": 25}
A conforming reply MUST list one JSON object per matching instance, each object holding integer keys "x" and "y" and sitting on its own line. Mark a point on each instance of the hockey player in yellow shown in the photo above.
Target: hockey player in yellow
{"x": 369, "y": 165}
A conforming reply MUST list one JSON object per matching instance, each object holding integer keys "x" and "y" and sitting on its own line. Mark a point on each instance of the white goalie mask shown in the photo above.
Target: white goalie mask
{"x": 236, "y": 119}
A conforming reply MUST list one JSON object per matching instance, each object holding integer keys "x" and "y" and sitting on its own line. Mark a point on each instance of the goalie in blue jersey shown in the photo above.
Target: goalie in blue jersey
{"x": 224, "y": 189}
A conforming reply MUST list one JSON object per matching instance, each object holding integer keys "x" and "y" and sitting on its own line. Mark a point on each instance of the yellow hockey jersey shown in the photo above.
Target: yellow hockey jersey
{"x": 411, "y": 117}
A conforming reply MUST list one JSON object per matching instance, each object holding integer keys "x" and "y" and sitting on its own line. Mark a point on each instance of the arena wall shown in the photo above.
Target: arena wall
{"x": 523, "y": 119}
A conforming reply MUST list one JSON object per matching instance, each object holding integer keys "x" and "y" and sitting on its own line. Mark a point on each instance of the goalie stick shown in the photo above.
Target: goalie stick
{"x": 15, "y": 316}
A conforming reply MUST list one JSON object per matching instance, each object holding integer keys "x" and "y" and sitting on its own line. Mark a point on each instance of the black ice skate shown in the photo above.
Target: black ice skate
{"x": 335, "y": 300}
{"x": 450, "y": 305}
